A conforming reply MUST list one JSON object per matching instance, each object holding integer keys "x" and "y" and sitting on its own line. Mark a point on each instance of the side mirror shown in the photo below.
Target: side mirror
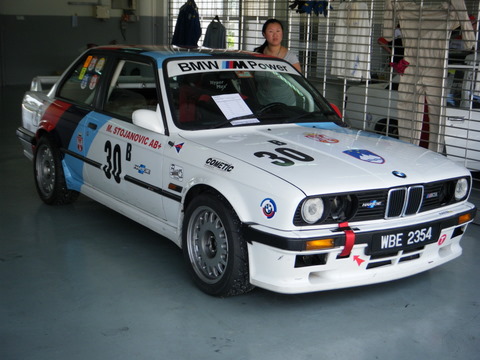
{"x": 149, "y": 119}
{"x": 337, "y": 110}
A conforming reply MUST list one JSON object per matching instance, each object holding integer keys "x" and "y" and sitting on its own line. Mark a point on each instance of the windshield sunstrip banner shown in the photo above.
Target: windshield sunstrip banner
{"x": 183, "y": 67}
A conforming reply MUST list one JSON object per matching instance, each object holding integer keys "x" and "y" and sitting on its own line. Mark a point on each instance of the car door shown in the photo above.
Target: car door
{"x": 74, "y": 102}
{"x": 126, "y": 158}
{"x": 462, "y": 117}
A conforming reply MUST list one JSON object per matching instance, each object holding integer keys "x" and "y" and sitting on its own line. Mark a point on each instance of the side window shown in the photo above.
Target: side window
{"x": 473, "y": 88}
{"x": 132, "y": 87}
{"x": 463, "y": 88}
{"x": 454, "y": 87}
{"x": 81, "y": 86}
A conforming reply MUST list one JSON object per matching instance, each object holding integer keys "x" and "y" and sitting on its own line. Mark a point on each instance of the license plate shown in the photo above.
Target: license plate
{"x": 404, "y": 239}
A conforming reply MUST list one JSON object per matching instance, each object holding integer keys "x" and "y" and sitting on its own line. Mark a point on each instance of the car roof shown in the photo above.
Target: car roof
{"x": 163, "y": 52}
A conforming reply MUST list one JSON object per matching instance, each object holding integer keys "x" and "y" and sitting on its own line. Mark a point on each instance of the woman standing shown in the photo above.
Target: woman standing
{"x": 272, "y": 31}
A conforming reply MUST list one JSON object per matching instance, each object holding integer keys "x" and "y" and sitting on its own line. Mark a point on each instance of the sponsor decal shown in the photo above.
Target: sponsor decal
{"x": 219, "y": 164}
{"x": 92, "y": 64}
{"x": 80, "y": 142}
{"x": 358, "y": 260}
{"x": 431, "y": 195}
{"x": 142, "y": 169}
{"x": 84, "y": 69}
{"x": 321, "y": 138}
{"x": 182, "y": 67}
{"x": 244, "y": 74}
{"x": 178, "y": 147}
{"x": 93, "y": 82}
{"x": 82, "y": 73}
{"x": 269, "y": 208}
{"x": 372, "y": 204}
{"x": 87, "y": 61}
{"x": 85, "y": 81}
{"x": 176, "y": 172}
{"x": 100, "y": 65}
{"x": 442, "y": 239}
{"x": 219, "y": 85}
{"x": 365, "y": 155}
{"x": 132, "y": 136}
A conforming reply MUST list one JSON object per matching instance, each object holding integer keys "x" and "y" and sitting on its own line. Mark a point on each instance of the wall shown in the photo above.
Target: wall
{"x": 44, "y": 37}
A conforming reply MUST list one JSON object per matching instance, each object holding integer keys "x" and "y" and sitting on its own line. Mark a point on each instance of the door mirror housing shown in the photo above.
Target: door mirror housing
{"x": 149, "y": 119}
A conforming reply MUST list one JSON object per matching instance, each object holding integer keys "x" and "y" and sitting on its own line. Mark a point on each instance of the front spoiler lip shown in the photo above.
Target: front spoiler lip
{"x": 365, "y": 237}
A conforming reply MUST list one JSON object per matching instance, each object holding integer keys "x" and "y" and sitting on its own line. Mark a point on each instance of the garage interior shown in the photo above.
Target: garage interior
{"x": 83, "y": 282}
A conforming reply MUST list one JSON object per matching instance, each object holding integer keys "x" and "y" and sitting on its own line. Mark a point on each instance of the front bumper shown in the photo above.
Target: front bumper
{"x": 289, "y": 269}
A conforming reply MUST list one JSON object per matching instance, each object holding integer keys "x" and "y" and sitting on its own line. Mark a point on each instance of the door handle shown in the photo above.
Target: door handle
{"x": 92, "y": 126}
{"x": 456, "y": 118}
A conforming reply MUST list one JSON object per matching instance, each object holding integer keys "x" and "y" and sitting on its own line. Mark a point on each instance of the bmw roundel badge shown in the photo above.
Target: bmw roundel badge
{"x": 399, "y": 174}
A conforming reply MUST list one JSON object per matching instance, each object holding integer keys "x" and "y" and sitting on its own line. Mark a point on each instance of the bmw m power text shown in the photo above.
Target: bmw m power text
{"x": 237, "y": 159}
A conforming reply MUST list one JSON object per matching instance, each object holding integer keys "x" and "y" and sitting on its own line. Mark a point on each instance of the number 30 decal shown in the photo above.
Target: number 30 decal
{"x": 284, "y": 160}
{"x": 113, "y": 168}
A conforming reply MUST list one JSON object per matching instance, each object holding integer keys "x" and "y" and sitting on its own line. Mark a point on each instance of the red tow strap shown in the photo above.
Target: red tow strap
{"x": 349, "y": 238}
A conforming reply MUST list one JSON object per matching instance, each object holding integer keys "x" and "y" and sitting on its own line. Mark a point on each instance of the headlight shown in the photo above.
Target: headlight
{"x": 461, "y": 189}
{"x": 312, "y": 210}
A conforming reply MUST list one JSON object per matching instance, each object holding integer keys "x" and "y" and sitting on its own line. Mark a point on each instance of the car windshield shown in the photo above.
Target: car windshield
{"x": 242, "y": 93}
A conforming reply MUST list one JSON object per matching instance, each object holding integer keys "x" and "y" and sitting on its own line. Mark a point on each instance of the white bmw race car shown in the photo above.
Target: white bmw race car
{"x": 238, "y": 159}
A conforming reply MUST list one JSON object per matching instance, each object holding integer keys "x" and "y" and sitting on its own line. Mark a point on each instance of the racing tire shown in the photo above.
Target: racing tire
{"x": 49, "y": 176}
{"x": 214, "y": 248}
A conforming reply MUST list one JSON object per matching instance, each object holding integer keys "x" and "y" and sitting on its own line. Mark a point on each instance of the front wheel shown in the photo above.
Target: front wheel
{"x": 49, "y": 175}
{"x": 214, "y": 248}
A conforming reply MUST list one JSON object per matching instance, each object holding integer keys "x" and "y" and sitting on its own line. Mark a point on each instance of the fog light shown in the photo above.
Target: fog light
{"x": 320, "y": 244}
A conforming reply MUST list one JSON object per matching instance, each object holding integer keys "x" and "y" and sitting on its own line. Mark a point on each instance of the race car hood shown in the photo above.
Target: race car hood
{"x": 329, "y": 157}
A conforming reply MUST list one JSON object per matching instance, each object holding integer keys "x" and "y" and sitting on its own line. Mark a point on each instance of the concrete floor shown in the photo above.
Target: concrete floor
{"x": 82, "y": 282}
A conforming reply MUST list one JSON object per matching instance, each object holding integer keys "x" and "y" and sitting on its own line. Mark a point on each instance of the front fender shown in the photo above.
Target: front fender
{"x": 257, "y": 198}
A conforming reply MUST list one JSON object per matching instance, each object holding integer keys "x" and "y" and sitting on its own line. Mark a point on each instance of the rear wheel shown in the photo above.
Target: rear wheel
{"x": 49, "y": 175}
{"x": 214, "y": 248}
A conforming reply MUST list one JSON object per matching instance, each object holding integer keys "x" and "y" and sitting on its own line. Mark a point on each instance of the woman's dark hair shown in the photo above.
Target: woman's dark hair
{"x": 262, "y": 47}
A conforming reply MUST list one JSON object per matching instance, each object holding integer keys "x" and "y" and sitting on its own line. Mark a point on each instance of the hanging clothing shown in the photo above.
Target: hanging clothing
{"x": 351, "y": 49}
{"x": 426, "y": 32}
{"x": 187, "y": 29}
{"x": 215, "y": 37}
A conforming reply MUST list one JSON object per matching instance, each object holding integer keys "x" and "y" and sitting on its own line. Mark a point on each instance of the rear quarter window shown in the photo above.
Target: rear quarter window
{"x": 82, "y": 83}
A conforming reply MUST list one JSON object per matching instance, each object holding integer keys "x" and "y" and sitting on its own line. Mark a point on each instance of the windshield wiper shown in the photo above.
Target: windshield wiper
{"x": 236, "y": 118}
{"x": 325, "y": 113}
